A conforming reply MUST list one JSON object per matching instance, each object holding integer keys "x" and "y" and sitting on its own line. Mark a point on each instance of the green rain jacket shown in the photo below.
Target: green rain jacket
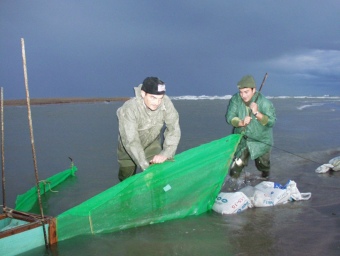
{"x": 259, "y": 134}
{"x": 139, "y": 127}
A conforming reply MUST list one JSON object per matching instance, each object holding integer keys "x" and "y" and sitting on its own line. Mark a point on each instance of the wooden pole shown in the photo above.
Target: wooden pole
{"x": 32, "y": 137}
{"x": 3, "y": 152}
{"x": 264, "y": 80}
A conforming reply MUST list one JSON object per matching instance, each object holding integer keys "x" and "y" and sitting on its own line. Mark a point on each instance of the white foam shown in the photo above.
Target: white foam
{"x": 227, "y": 97}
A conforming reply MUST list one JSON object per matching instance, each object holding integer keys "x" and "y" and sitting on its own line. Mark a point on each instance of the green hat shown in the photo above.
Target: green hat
{"x": 246, "y": 82}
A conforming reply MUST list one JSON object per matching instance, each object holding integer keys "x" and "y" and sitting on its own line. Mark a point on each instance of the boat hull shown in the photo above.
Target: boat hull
{"x": 21, "y": 232}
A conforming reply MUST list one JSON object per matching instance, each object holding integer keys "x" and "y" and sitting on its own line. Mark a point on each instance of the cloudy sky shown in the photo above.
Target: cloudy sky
{"x": 104, "y": 48}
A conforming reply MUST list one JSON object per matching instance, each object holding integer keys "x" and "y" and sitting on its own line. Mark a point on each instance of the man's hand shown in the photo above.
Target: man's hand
{"x": 157, "y": 159}
{"x": 244, "y": 122}
{"x": 254, "y": 108}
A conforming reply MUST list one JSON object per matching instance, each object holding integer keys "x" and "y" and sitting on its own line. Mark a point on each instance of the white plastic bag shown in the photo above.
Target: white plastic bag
{"x": 277, "y": 193}
{"x": 230, "y": 203}
{"x": 333, "y": 164}
{"x": 324, "y": 168}
{"x": 264, "y": 194}
{"x": 295, "y": 194}
{"x": 280, "y": 194}
{"x": 336, "y": 163}
{"x": 261, "y": 199}
{"x": 249, "y": 191}
{"x": 257, "y": 197}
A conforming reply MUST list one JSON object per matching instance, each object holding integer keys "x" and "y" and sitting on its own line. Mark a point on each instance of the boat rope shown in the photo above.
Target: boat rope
{"x": 46, "y": 182}
{"x": 287, "y": 151}
{"x": 9, "y": 213}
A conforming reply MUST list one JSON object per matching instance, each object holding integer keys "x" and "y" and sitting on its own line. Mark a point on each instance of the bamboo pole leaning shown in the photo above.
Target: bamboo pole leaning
{"x": 32, "y": 138}
{"x": 3, "y": 152}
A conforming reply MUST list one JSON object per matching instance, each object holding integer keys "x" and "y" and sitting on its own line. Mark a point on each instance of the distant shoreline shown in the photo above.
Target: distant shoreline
{"x": 45, "y": 101}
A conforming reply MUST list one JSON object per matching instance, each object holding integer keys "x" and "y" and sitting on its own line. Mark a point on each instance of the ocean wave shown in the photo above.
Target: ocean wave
{"x": 202, "y": 97}
{"x": 310, "y": 106}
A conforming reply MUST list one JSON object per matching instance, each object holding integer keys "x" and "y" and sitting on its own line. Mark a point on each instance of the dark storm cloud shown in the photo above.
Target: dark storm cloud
{"x": 104, "y": 48}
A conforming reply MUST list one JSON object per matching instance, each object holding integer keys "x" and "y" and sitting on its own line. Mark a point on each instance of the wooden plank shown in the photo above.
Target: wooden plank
{"x": 33, "y": 221}
{"x": 3, "y": 216}
{"x": 27, "y": 235}
{"x": 19, "y": 229}
{"x": 52, "y": 231}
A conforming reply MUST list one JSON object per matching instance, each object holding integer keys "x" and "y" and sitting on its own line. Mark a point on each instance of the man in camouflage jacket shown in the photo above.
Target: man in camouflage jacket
{"x": 142, "y": 122}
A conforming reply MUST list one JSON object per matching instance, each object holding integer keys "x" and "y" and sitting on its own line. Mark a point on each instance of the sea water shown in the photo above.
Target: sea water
{"x": 306, "y": 135}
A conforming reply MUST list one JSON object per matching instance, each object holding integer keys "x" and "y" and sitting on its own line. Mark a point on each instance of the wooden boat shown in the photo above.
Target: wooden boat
{"x": 21, "y": 231}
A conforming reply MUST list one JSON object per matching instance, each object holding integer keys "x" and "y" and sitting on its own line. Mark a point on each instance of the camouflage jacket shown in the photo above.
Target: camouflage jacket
{"x": 139, "y": 127}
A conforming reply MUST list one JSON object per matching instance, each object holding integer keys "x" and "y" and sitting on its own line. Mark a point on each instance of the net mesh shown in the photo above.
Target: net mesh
{"x": 172, "y": 190}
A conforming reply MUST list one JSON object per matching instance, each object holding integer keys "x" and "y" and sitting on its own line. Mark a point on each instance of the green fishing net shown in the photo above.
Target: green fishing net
{"x": 175, "y": 189}
{"x": 26, "y": 201}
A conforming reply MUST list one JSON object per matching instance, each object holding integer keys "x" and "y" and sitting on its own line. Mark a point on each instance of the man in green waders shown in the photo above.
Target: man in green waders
{"x": 141, "y": 122}
{"x": 252, "y": 115}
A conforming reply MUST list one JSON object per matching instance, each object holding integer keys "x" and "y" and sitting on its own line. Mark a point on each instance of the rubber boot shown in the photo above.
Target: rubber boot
{"x": 236, "y": 168}
{"x": 265, "y": 174}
